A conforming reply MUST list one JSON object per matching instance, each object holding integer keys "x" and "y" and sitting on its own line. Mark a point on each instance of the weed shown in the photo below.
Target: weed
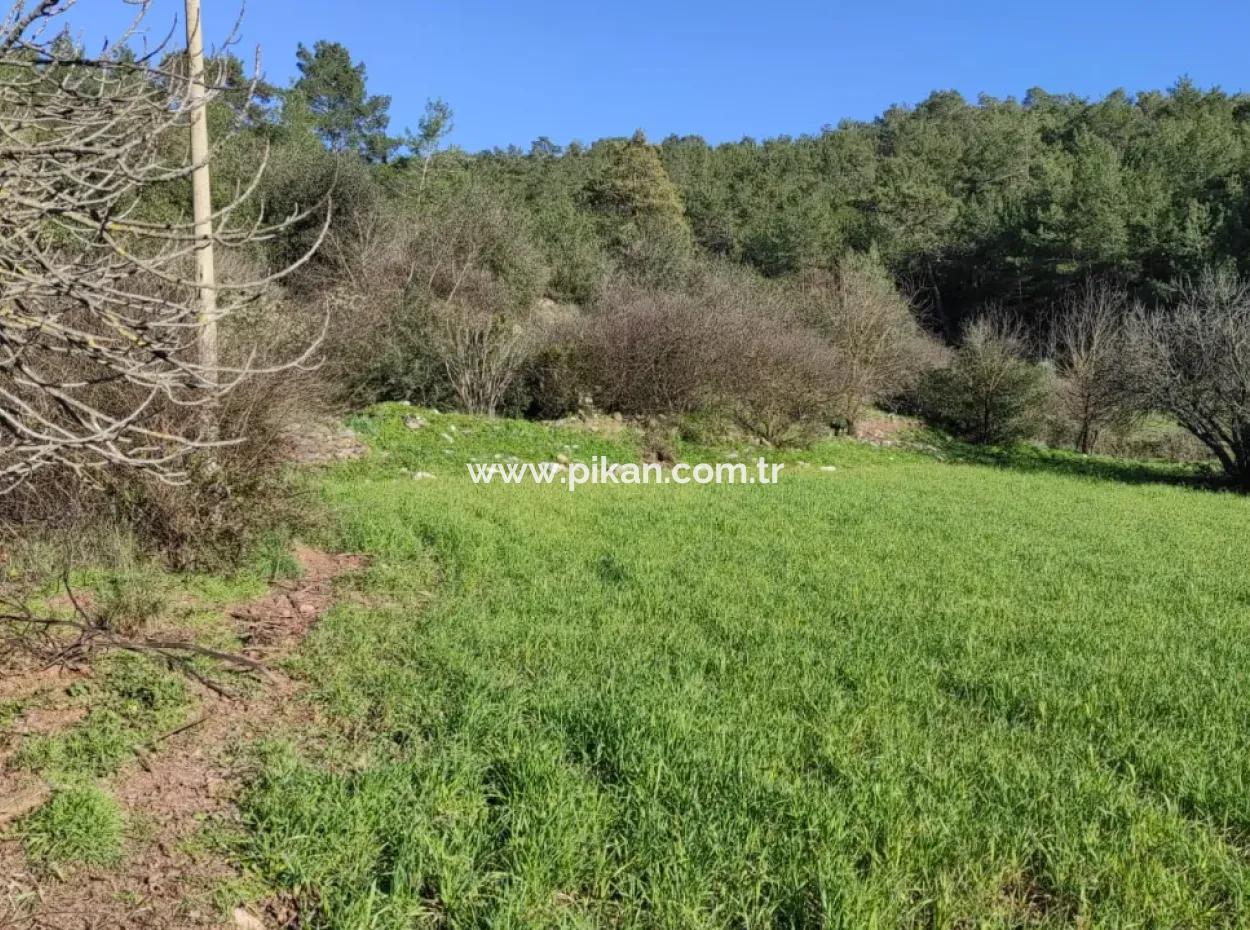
{"x": 77, "y": 826}
{"x": 274, "y": 560}
{"x": 130, "y": 600}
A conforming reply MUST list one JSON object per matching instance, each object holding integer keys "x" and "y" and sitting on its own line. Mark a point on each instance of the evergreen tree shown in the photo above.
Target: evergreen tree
{"x": 335, "y": 91}
{"x": 640, "y": 211}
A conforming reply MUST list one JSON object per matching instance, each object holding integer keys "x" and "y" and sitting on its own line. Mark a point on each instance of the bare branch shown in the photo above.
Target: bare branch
{"x": 98, "y": 309}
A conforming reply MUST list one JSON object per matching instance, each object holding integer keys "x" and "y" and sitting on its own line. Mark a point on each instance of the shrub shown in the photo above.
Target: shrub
{"x": 785, "y": 387}
{"x": 647, "y": 352}
{"x": 553, "y": 381}
{"x": 990, "y": 393}
{"x": 425, "y": 297}
{"x": 882, "y": 352}
{"x": 227, "y": 498}
{"x": 1193, "y": 363}
{"x": 1094, "y": 392}
{"x": 571, "y": 243}
{"x": 231, "y": 500}
{"x": 481, "y": 349}
{"x": 726, "y": 342}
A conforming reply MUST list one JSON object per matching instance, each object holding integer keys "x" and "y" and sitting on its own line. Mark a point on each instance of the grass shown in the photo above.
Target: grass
{"x": 1026, "y": 457}
{"x": 901, "y": 693}
{"x": 77, "y": 826}
{"x": 131, "y": 701}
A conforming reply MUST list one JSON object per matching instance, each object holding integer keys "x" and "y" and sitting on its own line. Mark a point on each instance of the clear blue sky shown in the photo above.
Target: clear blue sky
{"x": 583, "y": 69}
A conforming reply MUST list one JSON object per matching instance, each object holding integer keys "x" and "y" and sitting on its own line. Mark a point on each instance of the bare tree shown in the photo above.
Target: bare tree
{"x": 1090, "y": 351}
{"x": 1194, "y": 364}
{"x": 881, "y": 348}
{"x": 99, "y": 316}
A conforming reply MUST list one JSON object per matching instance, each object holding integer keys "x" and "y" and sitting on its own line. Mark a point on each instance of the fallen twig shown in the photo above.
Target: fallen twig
{"x": 34, "y": 635}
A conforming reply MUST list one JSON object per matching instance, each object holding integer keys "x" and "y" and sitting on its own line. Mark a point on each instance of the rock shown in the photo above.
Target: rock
{"x": 422, "y": 476}
{"x": 828, "y": 467}
{"x": 415, "y": 423}
{"x": 244, "y": 920}
{"x": 562, "y": 459}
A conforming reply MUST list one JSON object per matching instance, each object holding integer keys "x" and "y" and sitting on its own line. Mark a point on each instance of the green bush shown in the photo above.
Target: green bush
{"x": 990, "y": 393}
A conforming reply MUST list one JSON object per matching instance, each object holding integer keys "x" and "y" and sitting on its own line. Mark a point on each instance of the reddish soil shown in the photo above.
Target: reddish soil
{"x": 184, "y": 780}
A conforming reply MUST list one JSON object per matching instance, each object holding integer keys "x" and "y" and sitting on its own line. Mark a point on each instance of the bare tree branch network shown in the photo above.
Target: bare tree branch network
{"x": 99, "y": 317}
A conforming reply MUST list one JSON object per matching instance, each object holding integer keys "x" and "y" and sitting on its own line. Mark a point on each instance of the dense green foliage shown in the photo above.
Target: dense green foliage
{"x": 994, "y": 201}
{"x": 990, "y": 393}
{"x": 333, "y": 88}
{"x": 739, "y": 707}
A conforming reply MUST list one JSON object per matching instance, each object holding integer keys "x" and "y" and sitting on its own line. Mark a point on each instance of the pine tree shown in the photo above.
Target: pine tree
{"x": 335, "y": 91}
{"x": 640, "y": 211}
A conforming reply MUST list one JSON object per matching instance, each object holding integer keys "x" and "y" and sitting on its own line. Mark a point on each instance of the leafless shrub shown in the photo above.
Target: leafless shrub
{"x": 425, "y": 298}
{"x": 1094, "y": 391}
{"x": 1194, "y": 364}
{"x": 482, "y": 352}
{"x": 365, "y": 284}
{"x": 785, "y": 386}
{"x": 882, "y": 351}
{"x": 648, "y": 352}
{"x": 219, "y": 509}
{"x": 727, "y": 342}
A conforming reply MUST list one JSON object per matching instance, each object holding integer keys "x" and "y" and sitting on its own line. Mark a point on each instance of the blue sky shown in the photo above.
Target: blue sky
{"x": 583, "y": 69}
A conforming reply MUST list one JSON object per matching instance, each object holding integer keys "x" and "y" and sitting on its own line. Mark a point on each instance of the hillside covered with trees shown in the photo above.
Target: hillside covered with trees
{"x": 965, "y": 202}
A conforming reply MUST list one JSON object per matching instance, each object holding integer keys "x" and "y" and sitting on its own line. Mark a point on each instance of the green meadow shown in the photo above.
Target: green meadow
{"x": 892, "y": 691}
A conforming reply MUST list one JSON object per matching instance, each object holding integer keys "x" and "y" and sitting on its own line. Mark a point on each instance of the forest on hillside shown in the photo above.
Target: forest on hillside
{"x": 964, "y": 202}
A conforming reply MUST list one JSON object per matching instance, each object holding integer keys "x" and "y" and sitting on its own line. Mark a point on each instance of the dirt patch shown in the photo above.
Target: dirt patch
{"x": 19, "y": 795}
{"x": 181, "y": 781}
{"x": 273, "y": 622}
{"x": 885, "y": 429}
{"x": 1031, "y": 897}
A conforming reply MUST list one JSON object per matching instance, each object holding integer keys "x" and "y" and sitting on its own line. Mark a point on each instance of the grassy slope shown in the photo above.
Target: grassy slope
{"x": 900, "y": 693}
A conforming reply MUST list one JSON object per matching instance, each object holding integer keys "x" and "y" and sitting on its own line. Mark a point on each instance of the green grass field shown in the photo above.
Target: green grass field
{"x": 905, "y": 693}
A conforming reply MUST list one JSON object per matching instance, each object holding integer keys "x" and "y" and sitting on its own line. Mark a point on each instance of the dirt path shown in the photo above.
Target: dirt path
{"x": 182, "y": 781}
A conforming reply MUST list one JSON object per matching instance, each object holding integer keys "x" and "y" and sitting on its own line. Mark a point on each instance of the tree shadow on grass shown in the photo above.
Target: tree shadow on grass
{"x": 1038, "y": 459}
